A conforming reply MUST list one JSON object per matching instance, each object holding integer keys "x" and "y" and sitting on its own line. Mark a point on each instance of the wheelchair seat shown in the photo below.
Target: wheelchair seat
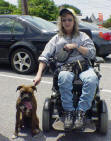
{"x": 77, "y": 84}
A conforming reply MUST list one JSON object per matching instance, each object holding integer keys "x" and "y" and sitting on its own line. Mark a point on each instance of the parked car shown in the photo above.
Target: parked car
{"x": 102, "y": 43}
{"x": 101, "y": 37}
{"x": 22, "y": 39}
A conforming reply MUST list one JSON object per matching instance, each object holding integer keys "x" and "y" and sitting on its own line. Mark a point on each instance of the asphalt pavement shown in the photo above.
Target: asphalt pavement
{"x": 8, "y": 96}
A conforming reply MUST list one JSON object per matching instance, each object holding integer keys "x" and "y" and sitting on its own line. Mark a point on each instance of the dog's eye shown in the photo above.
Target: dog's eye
{"x": 22, "y": 93}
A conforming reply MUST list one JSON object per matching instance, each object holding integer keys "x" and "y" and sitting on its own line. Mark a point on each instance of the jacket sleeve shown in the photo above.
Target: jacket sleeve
{"x": 88, "y": 43}
{"x": 49, "y": 50}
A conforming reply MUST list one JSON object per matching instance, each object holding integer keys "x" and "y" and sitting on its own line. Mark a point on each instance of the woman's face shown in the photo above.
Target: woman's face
{"x": 67, "y": 23}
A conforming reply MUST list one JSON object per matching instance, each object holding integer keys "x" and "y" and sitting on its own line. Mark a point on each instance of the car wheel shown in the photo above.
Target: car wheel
{"x": 22, "y": 61}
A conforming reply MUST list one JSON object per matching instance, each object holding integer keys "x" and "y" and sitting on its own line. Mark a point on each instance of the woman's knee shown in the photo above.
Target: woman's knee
{"x": 92, "y": 80}
{"x": 89, "y": 77}
{"x": 65, "y": 77}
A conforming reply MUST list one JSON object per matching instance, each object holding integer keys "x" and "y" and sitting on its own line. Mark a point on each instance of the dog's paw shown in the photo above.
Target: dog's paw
{"x": 14, "y": 136}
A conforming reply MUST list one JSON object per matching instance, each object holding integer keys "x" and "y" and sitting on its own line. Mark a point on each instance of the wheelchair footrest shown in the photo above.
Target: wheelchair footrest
{"x": 89, "y": 127}
{"x": 59, "y": 125}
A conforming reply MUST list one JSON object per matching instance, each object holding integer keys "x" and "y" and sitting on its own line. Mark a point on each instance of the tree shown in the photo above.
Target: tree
{"x": 77, "y": 11}
{"x": 43, "y": 8}
{"x": 6, "y": 8}
{"x": 21, "y": 9}
{"x": 107, "y": 23}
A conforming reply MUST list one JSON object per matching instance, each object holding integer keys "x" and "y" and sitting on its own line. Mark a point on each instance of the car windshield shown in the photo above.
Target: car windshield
{"x": 41, "y": 23}
{"x": 92, "y": 26}
{"x": 88, "y": 25}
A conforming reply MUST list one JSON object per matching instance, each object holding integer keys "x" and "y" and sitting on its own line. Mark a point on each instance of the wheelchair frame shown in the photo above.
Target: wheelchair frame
{"x": 98, "y": 112}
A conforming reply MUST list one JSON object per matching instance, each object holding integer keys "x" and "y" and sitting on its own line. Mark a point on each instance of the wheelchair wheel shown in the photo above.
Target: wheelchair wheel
{"x": 46, "y": 115}
{"x": 103, "y": 118}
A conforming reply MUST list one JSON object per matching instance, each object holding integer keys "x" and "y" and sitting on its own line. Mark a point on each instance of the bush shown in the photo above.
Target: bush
{"x": 107, "y": 24}
{"x": 77, "y": 11}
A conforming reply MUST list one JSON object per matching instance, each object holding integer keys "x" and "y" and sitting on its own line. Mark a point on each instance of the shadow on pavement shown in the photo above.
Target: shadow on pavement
{"x": 79, "y": 136}
{"x": 3, "y": 138}
{"x": 5, "y": 67}
{"x": 26, "y": 136}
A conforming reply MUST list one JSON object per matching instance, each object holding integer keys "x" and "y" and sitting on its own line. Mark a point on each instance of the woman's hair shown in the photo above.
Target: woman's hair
{"x": 75, "y": 31}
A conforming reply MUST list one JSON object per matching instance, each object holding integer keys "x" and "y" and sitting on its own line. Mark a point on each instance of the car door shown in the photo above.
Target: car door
{"x": 18, "y": 31}
{"x": 6, "y": 25}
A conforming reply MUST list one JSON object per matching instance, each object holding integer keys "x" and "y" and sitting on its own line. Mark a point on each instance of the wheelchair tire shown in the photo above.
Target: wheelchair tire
{"x": 103, "y": 119}
{"x": 46, "y": 115}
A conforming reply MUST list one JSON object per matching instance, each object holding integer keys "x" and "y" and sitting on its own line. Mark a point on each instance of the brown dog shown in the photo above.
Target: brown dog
{"x": 26, "y": 107}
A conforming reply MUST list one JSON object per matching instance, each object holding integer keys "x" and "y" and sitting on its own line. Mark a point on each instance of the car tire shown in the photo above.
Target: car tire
{"x": 22, "y": 61}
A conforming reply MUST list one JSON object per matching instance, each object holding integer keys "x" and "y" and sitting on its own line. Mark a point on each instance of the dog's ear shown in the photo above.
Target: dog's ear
{"x": 18, "y": 88}
{"x": 34, "y": 88}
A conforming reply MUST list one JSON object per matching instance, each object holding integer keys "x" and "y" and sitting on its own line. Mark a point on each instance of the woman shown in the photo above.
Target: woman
{"x": 82, "y": 48}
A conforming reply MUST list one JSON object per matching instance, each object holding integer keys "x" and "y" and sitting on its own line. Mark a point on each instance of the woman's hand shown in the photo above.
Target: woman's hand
{"x": 38, "y": 76}
{"x": 37, "y": 79}
{"x": 70, "y": 46}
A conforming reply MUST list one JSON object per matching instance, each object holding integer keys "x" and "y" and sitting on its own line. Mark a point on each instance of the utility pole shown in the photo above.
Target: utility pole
{"x": 24, "y": 7}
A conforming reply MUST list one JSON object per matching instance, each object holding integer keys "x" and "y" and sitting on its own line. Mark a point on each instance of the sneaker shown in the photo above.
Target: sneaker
{"x": 68, "y": 121}
{"x": 80, "y": 119}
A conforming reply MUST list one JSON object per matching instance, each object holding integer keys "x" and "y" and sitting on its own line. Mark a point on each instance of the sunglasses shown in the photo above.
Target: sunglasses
{"x": 69, "y": 20}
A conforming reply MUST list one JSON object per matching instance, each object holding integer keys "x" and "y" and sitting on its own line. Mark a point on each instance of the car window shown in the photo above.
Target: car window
{"x": 41, "y": 23}
{"x": 18, "y": 28}
{"x": 83, "y": 24}
{"x": 6, "y": 25}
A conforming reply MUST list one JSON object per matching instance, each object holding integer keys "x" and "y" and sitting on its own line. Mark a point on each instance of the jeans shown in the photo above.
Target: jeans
{"x": 90, "y": 82}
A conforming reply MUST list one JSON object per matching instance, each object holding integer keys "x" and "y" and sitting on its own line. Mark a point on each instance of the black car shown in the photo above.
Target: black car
{"x": 22, "y": 39}
{"x": 100, "y": 36}
{"x": 102, "y": 41}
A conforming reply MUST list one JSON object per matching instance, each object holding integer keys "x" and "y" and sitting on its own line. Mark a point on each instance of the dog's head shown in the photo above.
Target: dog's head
{"x": 26, "y": 92}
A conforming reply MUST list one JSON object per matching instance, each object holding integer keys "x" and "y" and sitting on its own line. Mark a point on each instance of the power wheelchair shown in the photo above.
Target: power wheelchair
{"x": 97, "y": 114}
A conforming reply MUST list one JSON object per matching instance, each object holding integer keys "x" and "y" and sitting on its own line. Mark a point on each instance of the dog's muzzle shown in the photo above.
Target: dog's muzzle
{"x": 26, "y": 106}
{"x": 25, "y": 97}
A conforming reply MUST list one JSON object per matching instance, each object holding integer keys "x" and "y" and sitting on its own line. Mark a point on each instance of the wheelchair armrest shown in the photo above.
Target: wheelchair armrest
{"x": 52, "y": 65}
{"x": 99, "y": 60}
{"x": 96, "y": 62}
